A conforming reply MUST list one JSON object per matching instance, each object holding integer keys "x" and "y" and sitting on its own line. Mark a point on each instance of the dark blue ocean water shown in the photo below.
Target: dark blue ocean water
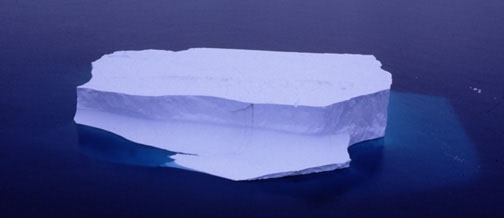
{"x": 442, "y": 155}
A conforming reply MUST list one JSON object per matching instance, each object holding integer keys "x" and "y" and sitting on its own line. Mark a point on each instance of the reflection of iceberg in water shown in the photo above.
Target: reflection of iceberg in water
{"x": 425, "y": 145}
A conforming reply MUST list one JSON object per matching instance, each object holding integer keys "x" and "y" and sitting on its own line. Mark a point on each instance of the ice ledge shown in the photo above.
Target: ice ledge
{"x": 318, "y": 169}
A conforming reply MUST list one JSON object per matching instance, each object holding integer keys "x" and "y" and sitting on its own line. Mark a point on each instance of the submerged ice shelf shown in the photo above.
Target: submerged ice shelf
{"x": 240, "y": 114}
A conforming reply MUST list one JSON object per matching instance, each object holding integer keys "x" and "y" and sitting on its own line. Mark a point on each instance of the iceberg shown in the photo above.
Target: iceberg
{"x": 240, "y": 114}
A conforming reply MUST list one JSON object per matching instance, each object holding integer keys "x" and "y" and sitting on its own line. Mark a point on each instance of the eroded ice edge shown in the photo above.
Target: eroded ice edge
{"x": 240, "y": 114}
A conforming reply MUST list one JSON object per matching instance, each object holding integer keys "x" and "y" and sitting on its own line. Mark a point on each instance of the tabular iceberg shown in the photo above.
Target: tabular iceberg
{"x": 240, "y": 114}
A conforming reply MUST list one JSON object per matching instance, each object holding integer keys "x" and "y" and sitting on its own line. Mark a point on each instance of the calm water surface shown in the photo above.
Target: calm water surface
{"x": 442, "y": 155}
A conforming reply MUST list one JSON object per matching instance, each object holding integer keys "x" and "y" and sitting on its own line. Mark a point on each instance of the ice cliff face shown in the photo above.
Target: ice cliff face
{"x": 240, "y": 114}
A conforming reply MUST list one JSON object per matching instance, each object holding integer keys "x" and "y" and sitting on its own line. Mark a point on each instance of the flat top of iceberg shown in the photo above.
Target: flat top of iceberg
{"x": 261, "y": 77}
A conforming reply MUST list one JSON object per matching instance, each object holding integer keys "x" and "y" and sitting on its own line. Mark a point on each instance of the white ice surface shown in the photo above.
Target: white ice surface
{"x": 240, "y": 114}
{"x": 259, "y": 77}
